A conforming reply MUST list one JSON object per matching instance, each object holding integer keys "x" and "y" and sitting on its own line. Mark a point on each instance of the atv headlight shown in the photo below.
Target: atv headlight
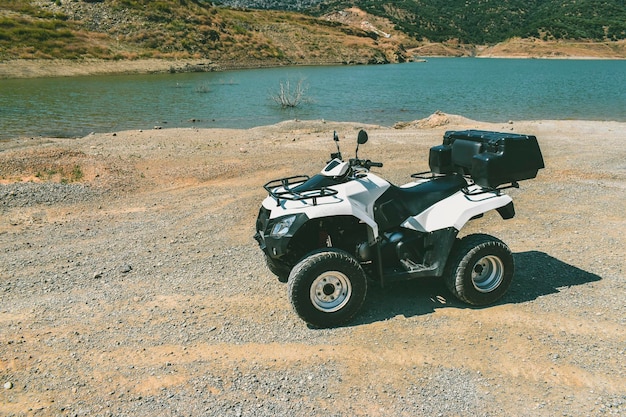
{"x": 281, "y": 228}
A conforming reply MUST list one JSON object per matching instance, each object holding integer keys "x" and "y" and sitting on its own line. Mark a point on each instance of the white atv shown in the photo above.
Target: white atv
{"x": 328, "y": 234}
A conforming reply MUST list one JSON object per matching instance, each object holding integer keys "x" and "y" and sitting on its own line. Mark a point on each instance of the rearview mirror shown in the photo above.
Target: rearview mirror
{"x": 362, "y": 137}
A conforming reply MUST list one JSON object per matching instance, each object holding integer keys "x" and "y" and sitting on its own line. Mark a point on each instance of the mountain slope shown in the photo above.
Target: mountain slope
{"x": 330, "y": 32}
{"x": 481, "y": 21}
{"x": 182, "y": 29}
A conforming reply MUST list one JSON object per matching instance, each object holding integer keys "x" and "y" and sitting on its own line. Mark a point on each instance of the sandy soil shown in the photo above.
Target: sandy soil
{"x": 36, "y": 68}
{"x": 130, "y": 283}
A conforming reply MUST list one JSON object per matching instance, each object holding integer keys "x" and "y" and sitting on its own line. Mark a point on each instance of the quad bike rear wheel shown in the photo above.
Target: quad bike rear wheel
{"x": 327, "y": 287}
{"x": 479, "y": 270}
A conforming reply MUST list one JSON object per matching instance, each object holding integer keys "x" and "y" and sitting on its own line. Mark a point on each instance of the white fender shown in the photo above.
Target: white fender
{"x": 455, "y": 211}
{"x": 354, "y": 198}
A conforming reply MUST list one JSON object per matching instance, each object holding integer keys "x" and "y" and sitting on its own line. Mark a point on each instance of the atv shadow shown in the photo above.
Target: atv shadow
{"x": 536, "y": 274}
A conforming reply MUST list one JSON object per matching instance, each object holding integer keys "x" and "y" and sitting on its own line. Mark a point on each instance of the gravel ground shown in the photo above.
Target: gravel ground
{"x": 138, "y": 289}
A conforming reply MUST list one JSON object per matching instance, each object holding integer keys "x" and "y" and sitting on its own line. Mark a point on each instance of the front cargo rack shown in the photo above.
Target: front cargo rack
{"x": 283, "y": 189}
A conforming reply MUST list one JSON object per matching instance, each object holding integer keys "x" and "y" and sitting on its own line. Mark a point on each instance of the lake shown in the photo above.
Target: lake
{"x": 478, "y": 88}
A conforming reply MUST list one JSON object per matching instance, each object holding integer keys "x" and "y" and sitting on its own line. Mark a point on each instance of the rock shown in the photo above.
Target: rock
{"x": 126, "y": 269}
{"x": 8, "y": 385}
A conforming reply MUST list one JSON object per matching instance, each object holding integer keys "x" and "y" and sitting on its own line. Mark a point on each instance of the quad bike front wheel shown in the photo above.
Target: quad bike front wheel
{"x": 327, "y": 287}
{"x": 479, "y": 270}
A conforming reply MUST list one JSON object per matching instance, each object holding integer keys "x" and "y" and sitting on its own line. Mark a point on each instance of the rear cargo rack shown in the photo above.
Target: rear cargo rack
{"x": 484, "y": 190}
{"x": 283, "y": 189}
{"x": 428, "y": 175}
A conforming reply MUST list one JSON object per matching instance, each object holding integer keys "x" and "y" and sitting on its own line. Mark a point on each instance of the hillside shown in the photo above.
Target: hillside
{"x": 512, "y": 28}
{"x": 480, "y": 21}
{"x": 202, "y": 36}
{"x": 492, "y": 21}
{"x": 141, "y": 29}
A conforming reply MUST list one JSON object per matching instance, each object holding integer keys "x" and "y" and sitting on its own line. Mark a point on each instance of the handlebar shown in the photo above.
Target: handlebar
{"x": 365, "y": 163}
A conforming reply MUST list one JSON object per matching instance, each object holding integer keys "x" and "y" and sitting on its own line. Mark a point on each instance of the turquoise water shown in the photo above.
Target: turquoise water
{"x": 481, "y": 89}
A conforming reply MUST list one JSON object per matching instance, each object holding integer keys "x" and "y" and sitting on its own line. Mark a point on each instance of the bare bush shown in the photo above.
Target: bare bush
{"x": 290, "y": 94}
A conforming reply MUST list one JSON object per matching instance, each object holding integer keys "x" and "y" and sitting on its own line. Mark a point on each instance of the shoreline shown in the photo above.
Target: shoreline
{"x": 436, "y": 121}
{"x": 432, "y": 125}
{"x": 60, "y": 68}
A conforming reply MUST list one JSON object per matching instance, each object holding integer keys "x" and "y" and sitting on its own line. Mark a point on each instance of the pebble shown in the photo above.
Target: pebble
{"x": 28, "y": 194}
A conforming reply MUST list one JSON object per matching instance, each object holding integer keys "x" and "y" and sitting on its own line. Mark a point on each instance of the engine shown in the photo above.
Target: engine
{"x": 397, "y": 248}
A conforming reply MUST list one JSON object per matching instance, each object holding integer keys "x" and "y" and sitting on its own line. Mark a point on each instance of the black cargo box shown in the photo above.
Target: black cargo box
{"x": 490, "y": 158}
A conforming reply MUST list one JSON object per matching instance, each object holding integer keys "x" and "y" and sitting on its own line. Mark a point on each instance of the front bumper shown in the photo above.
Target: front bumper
{"x": 275, "y": 247}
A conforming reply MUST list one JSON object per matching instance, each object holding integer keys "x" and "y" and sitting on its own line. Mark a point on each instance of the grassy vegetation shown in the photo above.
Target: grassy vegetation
{"x": 61, "y": 175}
{"x": 28, "y": 32}
{"x": 128, "y": 29}
{"x": 491, "y": 21}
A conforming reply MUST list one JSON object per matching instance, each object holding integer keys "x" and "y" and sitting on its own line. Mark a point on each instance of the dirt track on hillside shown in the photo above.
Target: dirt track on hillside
{"x": 130, "y": 283}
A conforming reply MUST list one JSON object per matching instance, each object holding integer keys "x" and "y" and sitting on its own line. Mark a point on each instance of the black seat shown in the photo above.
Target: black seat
{"x": 398, "y": 203}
